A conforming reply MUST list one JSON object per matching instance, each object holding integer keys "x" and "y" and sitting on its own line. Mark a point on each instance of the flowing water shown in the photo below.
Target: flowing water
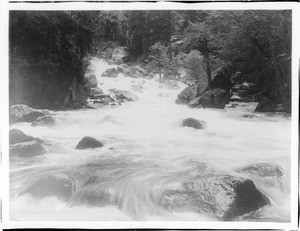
{"x": 145, "y": 150}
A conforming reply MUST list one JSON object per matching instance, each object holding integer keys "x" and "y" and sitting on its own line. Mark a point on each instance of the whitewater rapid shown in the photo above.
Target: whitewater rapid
{"x": 145, "y": 147}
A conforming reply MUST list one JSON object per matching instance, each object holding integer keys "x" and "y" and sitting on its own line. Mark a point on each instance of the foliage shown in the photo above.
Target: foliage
{"x": 47, "y": 50}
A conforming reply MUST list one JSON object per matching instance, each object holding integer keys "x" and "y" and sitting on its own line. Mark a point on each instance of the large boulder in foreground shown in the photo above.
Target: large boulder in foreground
{"x": 58, "y": 185}
{"x": 47, "y": 121}
{"x": 110, "y": 73}
{"x": 27, "y": 149}
{"x": 17, "y": 136}
{"x": 193, "y": 123}
{"x": 23, "y": 113}
{"x": 222, "y": 196}
{"x": 216, "y": 98}
{"x": 88, "y": 142}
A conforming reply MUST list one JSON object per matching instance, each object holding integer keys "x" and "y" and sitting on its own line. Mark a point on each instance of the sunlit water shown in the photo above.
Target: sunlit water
{"x": 145, "y": 150}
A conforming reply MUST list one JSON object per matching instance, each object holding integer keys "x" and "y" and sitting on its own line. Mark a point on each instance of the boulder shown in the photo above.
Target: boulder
{"x": 120, "y": 70}
{"x": 95, "y": 91}
{"x": 102, "y": 101}
{"x": 263, "y": 170}
{"x": 27, "y": 149}
{"x": 110, "y": 73}
{"x": 91, "y": 80}
{"x": 193, "y": 123}
{"x": 271, "y": 174}
{"x": 17, "y": 136}
{"x": 23, "y": 113}
{"x": 216, "y": 98}
{"x": 88, "y": 142}
{"x": 236, "y": 98}
{"x": 188, "y": 94}
{"x": 194, "y": 103}
{"x": 124, "y": 95}
{"x": 58, "y": 185}
{"x": 44, "y": 121}
{"x": 266, "y": 105}
{"x": 219, "y": 195}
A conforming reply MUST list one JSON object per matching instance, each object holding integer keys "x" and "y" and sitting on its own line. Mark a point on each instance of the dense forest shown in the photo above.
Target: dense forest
{"x": 50, "y": 51}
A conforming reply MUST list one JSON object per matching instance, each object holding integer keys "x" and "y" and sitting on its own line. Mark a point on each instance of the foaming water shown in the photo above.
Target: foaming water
{"x": 146, "y": 150}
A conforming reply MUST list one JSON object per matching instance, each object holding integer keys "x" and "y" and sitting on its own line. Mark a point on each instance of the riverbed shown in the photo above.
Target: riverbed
{"x": 145, "y": 149}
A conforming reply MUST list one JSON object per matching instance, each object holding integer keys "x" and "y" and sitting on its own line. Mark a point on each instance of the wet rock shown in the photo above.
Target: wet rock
{"x": 23, "y": 113}
{"x": 91, "y": 80}
{"x": 193, "y": 123}
{"x": 270, "y": 174}
{"x": 124, "y": 95}
{"x": 120, "y": 70}
{"x": 17, "y": 136}
{"x": 236, "y": 98}
{"x": 194, "y": 103}
{"x": 58, "y": 185}
{"x": 88, "y": 142}
{"x": 101, "y": 101}
{"x": 110, "y": 73}
{"x": 248, "y": 116}
{"x": 263, "y": 170}
{"x": 95, "y": 91}
{"x": 27, "y": 149}
{"x": 216, "y": 98}
{"x": 187, "y": 94}
{"x": 266, "y": 105}
{"x": 222, "y": 196}
{"x": 47, "y": 121}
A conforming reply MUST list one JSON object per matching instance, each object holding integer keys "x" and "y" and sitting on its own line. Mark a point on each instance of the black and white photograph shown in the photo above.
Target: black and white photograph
{"x": 151, "y": 115}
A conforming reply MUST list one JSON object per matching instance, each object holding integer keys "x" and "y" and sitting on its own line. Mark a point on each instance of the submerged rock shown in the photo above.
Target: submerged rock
{"x": 58, "y": 185}
{"x": 23, "y": 113}
{"x": 44, "y": 121}
{"x": 88, "y": 142}
{"x": 222, "y": 196}
{"x": 263, "y": 170}
{"x": 193, "y": 123}
{"x": 27, "y": 149}
{"x": 17, "y": 136}
{"x": 270, "y": 174}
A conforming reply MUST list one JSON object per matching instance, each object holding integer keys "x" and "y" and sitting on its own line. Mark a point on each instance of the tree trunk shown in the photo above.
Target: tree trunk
{"x": 160, "y": 77}
{"x": 208, "y": 71}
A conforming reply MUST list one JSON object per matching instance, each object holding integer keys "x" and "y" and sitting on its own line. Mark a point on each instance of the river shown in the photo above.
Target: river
{"x": 145, "y": 149}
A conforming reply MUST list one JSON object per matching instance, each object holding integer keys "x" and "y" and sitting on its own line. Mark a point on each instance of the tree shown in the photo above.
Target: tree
{"x": 159, "y": 58}
{"x": 47, "y": 51}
